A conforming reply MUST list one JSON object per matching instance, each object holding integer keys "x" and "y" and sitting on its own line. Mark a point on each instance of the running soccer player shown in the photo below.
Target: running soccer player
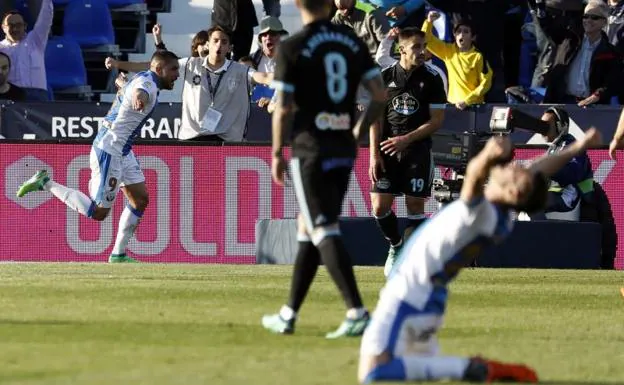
{"x": 113, "y": 164}
{"x": 400, "y": 342}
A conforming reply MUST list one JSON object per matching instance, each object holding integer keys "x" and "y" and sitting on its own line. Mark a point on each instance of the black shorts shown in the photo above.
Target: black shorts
{"x": 320, "y": 186}
{"x": 411, "y": 175}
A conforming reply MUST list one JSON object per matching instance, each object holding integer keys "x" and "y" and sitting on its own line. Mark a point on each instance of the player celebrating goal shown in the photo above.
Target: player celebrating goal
{"x": 317, "y": 74}
{"x": 400, "y": 343}
{"x": 113, "y": 164}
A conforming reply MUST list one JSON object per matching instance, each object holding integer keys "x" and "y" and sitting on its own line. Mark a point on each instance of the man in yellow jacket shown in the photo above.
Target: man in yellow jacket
{"x": 469, "y": 74}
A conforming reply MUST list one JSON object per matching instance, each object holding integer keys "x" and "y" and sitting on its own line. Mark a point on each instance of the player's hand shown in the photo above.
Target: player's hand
{"x": 393, "y": 33}
{"x": 278, "y": 167}
{"x": 376, "y": 167}
{"x": 592, "y": 138}
{"x": 499, "y": 149}
{"x": 121, "y": 80}
{"x": 137, "y": 104}
{"x": 613, "y": 146}
{"x": 433, "y": 16}
{"x": 461, "y": 105}
{"x": 394, "y": 145}
{"x": 591, "y": 99}
{"x": 157, "y": 33}
{"x": 396, "y": 12}
{"x": 110, "y": 63}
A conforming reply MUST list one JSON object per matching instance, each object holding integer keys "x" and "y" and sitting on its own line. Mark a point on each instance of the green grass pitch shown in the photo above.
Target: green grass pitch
{"x": 200, "y": 324}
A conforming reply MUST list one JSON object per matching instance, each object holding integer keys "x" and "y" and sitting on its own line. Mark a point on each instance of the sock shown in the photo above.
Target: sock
{"x": 389, "y": 226}
{"x": 414, "y": 221}
{"x": 287, "y": 313}
{"x": 306, "y": 265}
{"x": 74, "y": 199}
{"x": 128, "y": 222}
{"x": 420, "y": 368}
{"x": 338, "y": 264}
{"x": 356, "y": 312}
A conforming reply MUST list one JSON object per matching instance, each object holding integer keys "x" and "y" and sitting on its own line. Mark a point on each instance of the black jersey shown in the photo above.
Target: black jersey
{"x": 410, "y": 95}
{"x": 323, "y": 65}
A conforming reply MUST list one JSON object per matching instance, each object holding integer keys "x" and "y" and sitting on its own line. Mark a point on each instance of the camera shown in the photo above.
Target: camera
{"x": 453, "y": 151}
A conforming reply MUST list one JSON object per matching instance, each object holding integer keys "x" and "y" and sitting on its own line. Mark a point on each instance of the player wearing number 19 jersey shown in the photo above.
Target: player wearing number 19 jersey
{"x": 317, "y": 74}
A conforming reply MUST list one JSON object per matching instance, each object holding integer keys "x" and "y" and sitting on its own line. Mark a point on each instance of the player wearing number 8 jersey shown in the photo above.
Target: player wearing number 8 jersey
{"x": 400, "y": 148}
{"x": 318, "y": 71}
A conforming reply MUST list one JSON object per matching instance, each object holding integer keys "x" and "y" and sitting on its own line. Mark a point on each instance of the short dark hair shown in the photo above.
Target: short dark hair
{"x": 218, "y": 28}
{"x": 164, "y": 56}
{"x": 410, "y": 32}
{"x": 245, "y": 58}
{"x": 463, "y": 22}
{"x": 7, "y": 57}
{"x": 315, "y": 5}
{"x": 538, "y": 197}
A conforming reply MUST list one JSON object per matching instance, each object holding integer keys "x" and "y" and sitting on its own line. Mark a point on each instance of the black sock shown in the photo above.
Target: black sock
{"x": 337, "y": 261}
{"x": 412, "y": 225}
{"x": 389, "y": 226}
{"x": 306, "y": 265}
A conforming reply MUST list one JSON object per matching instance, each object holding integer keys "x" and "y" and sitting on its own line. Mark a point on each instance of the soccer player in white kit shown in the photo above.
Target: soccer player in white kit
{"x": 400, "y": 342}
{"x": 113, "y": 164}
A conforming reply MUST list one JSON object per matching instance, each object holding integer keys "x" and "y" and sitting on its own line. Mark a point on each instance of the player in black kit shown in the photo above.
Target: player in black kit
{"x": 400, "y": 149}
{"x": 317, "y": 73}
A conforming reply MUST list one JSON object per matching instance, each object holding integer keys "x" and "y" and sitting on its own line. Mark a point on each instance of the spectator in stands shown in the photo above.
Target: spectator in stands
{"x": 263, "y": 60}
{"x": 372, "y": 26}
{"x": 561, "y": 15}
{"x": 27, "y": 50}
{"x": 487, "y": 18}
{"x": 215, "y": 97}
{"x": 615, "y": 22}
{"x": 470, "y": 75}
{"x": 239, "y": 18}
{"x": 586, "y": 66}
{"x": 400, "y": 13}
{"x": 8, "y": 91}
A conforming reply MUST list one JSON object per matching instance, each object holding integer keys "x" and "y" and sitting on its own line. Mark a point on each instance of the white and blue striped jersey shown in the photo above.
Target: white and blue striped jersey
{"x": 123, "y": 124}
{"x": 435, "y": 253}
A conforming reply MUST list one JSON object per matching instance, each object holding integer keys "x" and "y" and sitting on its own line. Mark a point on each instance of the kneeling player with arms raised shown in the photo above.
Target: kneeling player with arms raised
{"x": 400, "y": 343}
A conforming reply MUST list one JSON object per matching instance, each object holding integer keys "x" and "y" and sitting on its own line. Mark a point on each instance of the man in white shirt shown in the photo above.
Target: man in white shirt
{"x": 27, "y": 50}
{"x": 113, "y": 164}
{"x": 400, "y": 343}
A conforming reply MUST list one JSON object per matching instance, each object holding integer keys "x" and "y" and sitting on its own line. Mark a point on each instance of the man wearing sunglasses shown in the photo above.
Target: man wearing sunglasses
{"x": 586, "y": 66}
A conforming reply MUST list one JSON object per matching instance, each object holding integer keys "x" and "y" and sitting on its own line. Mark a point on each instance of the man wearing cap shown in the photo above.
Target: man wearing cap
{"x": 263, "y": 60}
{"x": 586, "y": 65}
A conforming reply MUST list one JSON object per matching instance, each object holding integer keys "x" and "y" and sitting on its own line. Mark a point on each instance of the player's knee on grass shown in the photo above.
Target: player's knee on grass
{"x": 100, "y": 213}
{"x": 368, "y": 363}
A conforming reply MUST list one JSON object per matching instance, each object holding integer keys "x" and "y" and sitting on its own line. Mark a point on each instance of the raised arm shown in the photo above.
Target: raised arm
{"x": 549, "y": 164}
{"x": 42, "y": 26}
{"x": 435, "y": 45}
{"x": 497, "y": 150}
{"x": 126, "y": 65}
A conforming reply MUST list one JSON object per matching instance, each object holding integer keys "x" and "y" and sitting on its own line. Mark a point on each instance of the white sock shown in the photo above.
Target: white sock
{"x": 356, "y": 312}
{"x": 128, "y": 222}
{"x": 74, "y": 199}
{"x": 287, "y": 313}
{"x": 434, "y": 368}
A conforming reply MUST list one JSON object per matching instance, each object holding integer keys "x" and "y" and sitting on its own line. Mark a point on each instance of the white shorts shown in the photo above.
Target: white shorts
{"x": 400, "y": 329}
{"x": 109, "y": 172}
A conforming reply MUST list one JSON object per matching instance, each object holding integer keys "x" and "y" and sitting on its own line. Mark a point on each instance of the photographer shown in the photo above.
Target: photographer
{"x": 573, "y": 184}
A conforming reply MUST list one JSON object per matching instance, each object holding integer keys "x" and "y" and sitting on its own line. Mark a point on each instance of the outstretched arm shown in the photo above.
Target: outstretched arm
{"x": 549, "y": 164}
